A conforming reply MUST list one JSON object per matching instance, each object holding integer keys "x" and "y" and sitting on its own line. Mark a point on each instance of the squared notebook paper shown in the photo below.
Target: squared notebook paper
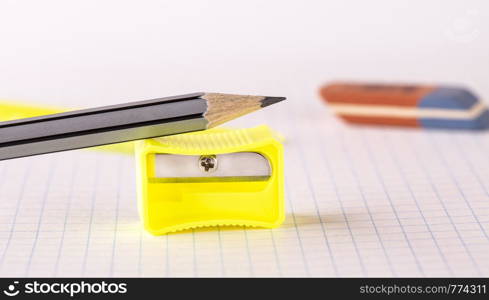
{"x": 359, "y": 202}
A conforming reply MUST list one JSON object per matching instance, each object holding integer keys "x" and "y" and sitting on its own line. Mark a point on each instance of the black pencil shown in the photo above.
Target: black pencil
{"x": 124, "y": 122}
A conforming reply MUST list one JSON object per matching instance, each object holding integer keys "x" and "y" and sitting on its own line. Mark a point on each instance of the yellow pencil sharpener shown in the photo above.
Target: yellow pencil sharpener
{"x": 217, "y": 177}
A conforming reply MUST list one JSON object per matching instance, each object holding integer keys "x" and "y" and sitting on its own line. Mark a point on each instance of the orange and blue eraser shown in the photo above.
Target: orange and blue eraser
{"x": 425, "y": 106}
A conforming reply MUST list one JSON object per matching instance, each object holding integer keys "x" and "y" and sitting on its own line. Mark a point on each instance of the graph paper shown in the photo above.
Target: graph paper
{"x": 360, "y": 201}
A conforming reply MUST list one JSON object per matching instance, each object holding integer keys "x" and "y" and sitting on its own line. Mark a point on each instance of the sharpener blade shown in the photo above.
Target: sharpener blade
{"x": 239, "y": 166}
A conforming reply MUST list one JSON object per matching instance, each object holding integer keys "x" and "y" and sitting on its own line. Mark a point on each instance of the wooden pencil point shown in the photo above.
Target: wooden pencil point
{"x": 123, "y": 122}
{"x": 225, "y": 107}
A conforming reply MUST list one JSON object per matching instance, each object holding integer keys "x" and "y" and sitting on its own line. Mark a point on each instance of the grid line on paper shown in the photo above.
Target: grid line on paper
{"x": 93, "y": 198}
{"x": 470, "y": 165}
{"x": 69, "y": 202}
{"x": 15, "y": 214}
{"x": 394, "y": 210}
{"x": 459, "y": 236}
{"x": 355, "y": 176}
{"x": 360, "y": 260}
{"x": 455, "y": 181}
{"x": 314, "y": 201}
{"x": 248, "y": 254}
{"x": 167, "y": 255}
{"x": 317, "y": 211}
{"x": 301, "y": 245}
{"x": 360, "y": 201}
{"x": 194, "y": 254}
{"x": 140, "y": 249}
{"x": 116, "y": 221}
{"x": 408, "y": 185}
{"x": 44, "y": 196}
{"x": 479, "y": 181}
{"x": 221, "y": 253}
{"x": 277, "y": 259}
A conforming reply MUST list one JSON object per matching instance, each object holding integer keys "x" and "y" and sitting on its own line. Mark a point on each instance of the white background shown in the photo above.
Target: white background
{"x": 84, "y": 53}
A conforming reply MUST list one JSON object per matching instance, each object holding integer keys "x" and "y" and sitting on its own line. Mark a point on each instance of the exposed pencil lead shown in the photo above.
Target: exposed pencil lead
{"x": 271, "y": 100}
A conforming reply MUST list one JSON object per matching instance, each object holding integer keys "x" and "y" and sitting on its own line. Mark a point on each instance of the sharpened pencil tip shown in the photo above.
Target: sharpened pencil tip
{"x": 271, "y": 100}
{"x": 225, "y": 107}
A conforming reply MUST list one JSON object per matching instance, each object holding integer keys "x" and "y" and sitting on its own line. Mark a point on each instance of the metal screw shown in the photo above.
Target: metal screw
{"x": 208, "y": 163}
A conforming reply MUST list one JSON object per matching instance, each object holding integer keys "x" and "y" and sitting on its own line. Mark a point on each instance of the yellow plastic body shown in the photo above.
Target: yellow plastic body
{"x": 12, "y": 110}
{"x": 172, "y": 206}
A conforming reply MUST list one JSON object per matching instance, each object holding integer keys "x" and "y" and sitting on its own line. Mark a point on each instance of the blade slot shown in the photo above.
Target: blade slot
{"x": 239, "y": 166}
